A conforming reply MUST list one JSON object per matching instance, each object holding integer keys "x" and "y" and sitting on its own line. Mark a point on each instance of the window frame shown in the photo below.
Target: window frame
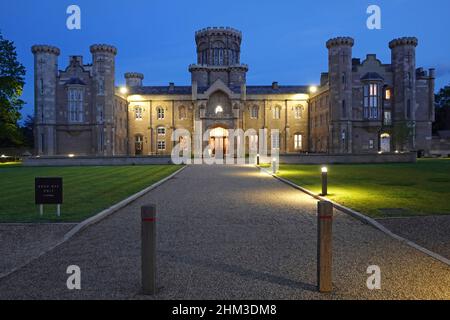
{"x": 298, "y": 112}
{"x": 371, "y": 101}
{"x": 276, "y": 113}
{"x": 75, "y": 105}
{"x": 160, "y": 113}
{"x": 161, "y": 145}
{"x": 161, "y": 131}
{"x": 298, "y": 141}
{"x": 254, "y": 112}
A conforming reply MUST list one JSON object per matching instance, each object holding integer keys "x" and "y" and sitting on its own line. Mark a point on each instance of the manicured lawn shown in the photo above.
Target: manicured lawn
{"x": 87, "y": 190}
{"x": 416, "y": 189}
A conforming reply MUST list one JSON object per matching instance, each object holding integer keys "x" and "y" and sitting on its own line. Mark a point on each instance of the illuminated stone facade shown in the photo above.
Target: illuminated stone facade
{"x": 359, "y": 107}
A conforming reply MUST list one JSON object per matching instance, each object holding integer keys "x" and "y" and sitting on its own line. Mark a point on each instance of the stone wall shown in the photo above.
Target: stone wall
{"x": 349, "y": 158}
{"x": 94, "y": 161}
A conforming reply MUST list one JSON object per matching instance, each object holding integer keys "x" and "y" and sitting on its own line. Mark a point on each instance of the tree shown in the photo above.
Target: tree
{"x": 27, "y": 132}
{"x": 12, "y": 80}
{"x": 442, "y": 107}
{"x": 402, "y": 135}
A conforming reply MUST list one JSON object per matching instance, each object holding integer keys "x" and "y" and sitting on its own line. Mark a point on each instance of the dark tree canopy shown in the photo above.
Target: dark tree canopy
{"x": 12, "y": 80}
{"x": 442, "y": 110}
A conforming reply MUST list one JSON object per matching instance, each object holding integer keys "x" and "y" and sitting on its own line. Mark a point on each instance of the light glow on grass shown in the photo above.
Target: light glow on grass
{"x": 418, "y": 188}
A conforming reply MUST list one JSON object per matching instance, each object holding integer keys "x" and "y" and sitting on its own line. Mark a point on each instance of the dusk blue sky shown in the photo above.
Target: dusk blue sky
{"x": 283, "y": 40}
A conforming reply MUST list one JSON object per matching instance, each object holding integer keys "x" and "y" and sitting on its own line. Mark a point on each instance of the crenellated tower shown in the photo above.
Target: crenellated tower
{"x": 134, "y": 79}
{"x": 340, "y": 82}
{"x": 45, "y": 80}
{"x": 103, "y": 70}
{"x": 403, "y": 53}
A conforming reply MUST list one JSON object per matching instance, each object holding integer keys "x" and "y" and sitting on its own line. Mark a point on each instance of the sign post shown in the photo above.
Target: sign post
{"x": 48, "y": 191}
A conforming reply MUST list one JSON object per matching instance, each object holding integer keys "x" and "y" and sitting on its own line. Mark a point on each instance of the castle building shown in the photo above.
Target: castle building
{"x": 359, "y": 107}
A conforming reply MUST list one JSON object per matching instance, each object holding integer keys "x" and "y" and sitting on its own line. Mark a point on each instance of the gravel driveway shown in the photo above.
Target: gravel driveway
{"x": 229, "y": 232}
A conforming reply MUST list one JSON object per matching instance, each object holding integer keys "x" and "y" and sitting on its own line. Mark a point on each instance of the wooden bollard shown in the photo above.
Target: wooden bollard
{"x": 324, "y": 246}
{"x": 148, "y": 249}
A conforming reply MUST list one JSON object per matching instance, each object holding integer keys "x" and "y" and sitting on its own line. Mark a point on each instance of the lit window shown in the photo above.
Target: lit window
{"x": 138, "y": 113}
{"x": 277, "y": 112}
{"x": 298, "y": 141}
{"x": 371, "y": 97}
{"x": 387, "y": 94}
{"x": 298, "y": 112}
{"x": 161, "y": 131}
{"x": 138, "y": 144}
{"x": 160, "y": 113}
{"x": 161, "y": 145}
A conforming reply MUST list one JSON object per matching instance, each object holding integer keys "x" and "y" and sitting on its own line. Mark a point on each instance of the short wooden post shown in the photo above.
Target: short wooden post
{"x": 324, "y": 246}
{"x": 148, "y": 249}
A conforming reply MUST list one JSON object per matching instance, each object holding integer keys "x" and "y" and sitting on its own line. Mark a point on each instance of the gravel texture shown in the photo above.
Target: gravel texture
{"x": 229, "y": 232}
{"x": 431, "y": 232}
{"x": 20, "y": 243}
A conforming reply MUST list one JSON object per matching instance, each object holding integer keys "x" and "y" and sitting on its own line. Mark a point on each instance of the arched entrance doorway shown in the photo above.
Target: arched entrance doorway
{"x": 385, "y": 142}
{"x": 218, "y": 142}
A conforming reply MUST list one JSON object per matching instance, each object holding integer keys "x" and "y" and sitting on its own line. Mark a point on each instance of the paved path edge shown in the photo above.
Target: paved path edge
{"x": 363, "y": 218}
{"x": 93, "y": 220}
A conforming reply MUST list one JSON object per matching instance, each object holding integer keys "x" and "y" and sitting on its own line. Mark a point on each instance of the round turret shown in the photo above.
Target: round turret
{"x": 96, "y": 48}
{"x": 340, "y": 41}
{"x": 405, "y": 41}
{"x": 218, "y": 46}
{"x": 134, "y": 79}
{"x": 39, "y": 48}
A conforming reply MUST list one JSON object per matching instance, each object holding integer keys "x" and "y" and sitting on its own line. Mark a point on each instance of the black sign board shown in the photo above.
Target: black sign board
{"x": 48, "y": 190}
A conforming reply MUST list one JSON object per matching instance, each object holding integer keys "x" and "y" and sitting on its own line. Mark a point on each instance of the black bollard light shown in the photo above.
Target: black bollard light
{"x": 324, "y": 181}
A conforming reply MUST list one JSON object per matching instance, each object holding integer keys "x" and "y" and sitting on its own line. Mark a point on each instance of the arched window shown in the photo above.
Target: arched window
{"x": 277, "y": 112}
{"x": 182, "y": 113}
{"x": 298, "y": 141}
{"x": 385, "y": 142}
{"x": 160, "y": 113}
{"x": 255, "y": 112}
{"x": 138, "y": 113}
{"x": 298, "y": 112}
{"x": 138, "y": 144}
